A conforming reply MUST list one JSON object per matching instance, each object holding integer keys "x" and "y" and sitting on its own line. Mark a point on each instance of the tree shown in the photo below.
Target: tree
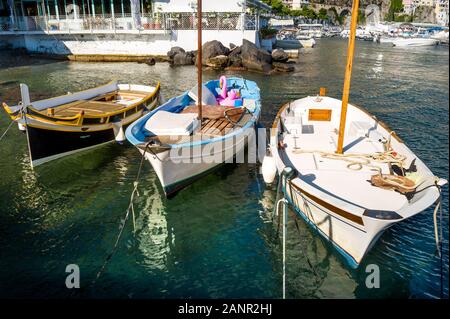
{"x": 323, "y": 14}
{"x": 395, "y": 7}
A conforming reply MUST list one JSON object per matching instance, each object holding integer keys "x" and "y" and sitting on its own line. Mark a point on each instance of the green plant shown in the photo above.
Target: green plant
{"x": 267, "y": 32}
{"x": 323, "y": 14}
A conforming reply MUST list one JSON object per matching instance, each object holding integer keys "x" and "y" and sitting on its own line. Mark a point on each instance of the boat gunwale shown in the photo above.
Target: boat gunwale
{"x": 255, "y": 115}
{"x": 76, "y": 118}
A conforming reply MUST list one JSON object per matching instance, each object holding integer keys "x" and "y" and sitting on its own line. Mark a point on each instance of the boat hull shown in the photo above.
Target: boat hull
{"x": 46, "y": 145}
{"x": 177, "y": 169}
{"x": 349, "y": 237}
{"x": 415, "y": 42}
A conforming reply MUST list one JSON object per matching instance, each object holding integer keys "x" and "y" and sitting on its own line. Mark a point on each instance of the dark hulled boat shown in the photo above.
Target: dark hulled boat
{"x": 67, "y": 124}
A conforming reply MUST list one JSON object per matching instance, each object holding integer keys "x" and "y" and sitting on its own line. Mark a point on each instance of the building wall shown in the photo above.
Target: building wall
{"x": 125, "y": 44}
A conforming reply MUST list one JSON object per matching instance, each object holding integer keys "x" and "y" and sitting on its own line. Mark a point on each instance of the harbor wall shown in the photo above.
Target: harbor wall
{"x": 121, "y": 44}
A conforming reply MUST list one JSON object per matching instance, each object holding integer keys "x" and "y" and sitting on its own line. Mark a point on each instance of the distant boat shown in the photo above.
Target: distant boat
{"x": 175, "y": 141}
{"x": 441, "y": 36}
{"x": 310, "y": 30}
{"x": 74, "y": 122}
{"x": 414, "y": 42}
{"x": 289, "y": 39}
{"x": 290, "y": 44}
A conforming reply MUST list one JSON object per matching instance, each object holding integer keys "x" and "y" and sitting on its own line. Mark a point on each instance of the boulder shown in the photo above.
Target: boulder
{"x": 279, "y": 55}
{"x": 232, "y": 46}
{"x": 212, "y": 49}
{"x": 150, "y": 61}
{"x": 174, "y": 51}
{"x": 217, "y": 62}
{"x": 183, "y": 58}
{"x": 254, "y": 58}
{"x": 283, "y": 67}
{"x": 234, "y": 58}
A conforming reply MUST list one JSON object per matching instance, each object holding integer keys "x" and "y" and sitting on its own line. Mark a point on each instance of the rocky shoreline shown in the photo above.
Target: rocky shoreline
{"x": 245, "y": 57}
{"x": 216, "y": 56}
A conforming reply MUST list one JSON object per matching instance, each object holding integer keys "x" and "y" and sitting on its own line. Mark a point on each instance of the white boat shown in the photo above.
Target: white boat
{"x": 441, "y": 36}
{"x": 414, "y": 42}
{"x": 289, "y": 39}
{"x": 289, "y": 44}
{"x": 180, "y": 148}
{"x": 350, "y": 199}
{"x": 310, "y": 30}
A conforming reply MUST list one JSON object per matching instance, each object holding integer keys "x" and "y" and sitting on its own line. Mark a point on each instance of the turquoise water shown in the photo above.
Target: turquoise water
{"x": 214, "y": 239}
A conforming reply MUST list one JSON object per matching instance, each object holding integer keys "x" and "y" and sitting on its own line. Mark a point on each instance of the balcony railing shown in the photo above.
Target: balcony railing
{"x": 107, "y": 22}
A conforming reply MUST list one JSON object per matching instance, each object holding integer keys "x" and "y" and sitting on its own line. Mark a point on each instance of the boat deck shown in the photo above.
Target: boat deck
{"x": 106, "y": 103}
{"x": 210, "y": 128}
{"x": 305, "y": 145}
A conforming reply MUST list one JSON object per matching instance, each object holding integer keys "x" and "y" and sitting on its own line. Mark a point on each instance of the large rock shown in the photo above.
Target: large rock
{"x": 254, "y": 58}
{"x": 279, "y": 55}
{"x": 283, "y": 67}
{"x": 217, "y": 62}
{"x": 183, "y": 58}
{"x": 212, "y": 49}
{"x": 174, "y": 51}
{"x": 234, "y": 58}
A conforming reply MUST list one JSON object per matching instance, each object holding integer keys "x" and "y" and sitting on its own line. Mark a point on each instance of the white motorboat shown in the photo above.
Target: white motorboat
{"x": 343, "y": 171}
{"x": 414, "y": 42}
{"x": 310, "y": 30}
{"x": 441, "y": 36}
{"x": 289, "y": 39}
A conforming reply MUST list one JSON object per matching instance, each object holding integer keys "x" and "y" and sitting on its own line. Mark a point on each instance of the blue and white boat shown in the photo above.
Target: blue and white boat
{"x": 181, "y": 148}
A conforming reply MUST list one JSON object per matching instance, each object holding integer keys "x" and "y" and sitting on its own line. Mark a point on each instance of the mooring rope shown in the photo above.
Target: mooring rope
{"x": 6, "y": 131}
{"x": 358, "y": 161}
{"x": 129, "y": 209}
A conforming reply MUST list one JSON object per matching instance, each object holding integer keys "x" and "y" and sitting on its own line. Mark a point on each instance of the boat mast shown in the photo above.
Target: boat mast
{"x": 348, "y": 75}
{"x": 199, "y": 59}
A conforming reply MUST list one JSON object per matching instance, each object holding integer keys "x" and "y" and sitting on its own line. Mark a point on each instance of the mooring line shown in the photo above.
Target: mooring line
{"x": 7, "y": 129}
{"x": 129, "y": 209}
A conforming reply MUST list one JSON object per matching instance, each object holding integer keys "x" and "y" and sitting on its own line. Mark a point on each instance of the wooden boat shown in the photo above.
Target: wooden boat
{"x": 350, "y": 192}
{"x": 67, "y": 124}
{"x": 350, "y": 198}
{"x": 180, "y": 149}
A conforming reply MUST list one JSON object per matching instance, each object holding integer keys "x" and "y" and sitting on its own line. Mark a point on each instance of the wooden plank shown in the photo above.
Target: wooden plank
{"x": 319, "y": 115}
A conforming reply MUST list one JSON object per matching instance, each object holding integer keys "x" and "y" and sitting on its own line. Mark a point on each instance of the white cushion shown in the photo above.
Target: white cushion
{"x": 208, "y": 97}
{"x": 164, "y": 123}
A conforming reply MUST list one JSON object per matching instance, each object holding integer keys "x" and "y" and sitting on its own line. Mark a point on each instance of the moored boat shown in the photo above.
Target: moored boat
{"x": 415, "y": 42}
{"x": 182, "y": 148}
{"x": 350, "y": 198}
{"x": 74, "y": 122}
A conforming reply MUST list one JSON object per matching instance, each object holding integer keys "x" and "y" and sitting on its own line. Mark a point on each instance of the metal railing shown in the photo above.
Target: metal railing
{"x": 117, "y": 22}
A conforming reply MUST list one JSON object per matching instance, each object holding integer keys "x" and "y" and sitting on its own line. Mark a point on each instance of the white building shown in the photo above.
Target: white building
{"x": 295, "y": 4}
{"x": 125, "y": 27}
{"x": 441, "y": 11}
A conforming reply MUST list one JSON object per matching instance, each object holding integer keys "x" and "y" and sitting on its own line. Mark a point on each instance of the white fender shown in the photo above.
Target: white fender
{"x": 22, "y": 127}
{"x": 118, "y": 132}
{"x": 269, "y": 169}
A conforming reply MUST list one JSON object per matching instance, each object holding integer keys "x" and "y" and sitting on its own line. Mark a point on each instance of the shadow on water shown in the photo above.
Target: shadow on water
{"x": 215, "y": 238}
